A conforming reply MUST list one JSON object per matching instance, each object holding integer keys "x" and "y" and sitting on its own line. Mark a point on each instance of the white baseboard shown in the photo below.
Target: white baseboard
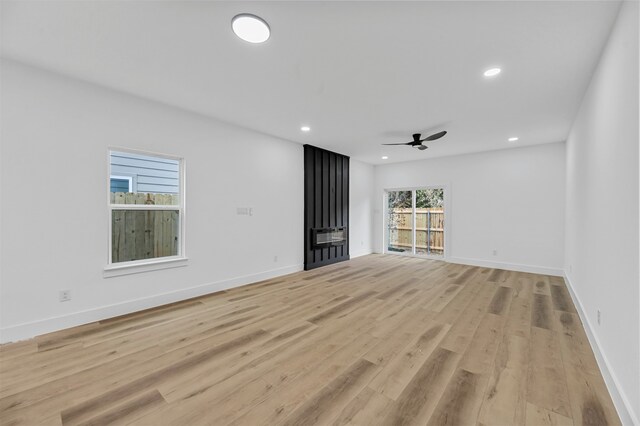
{"x": 544, "y": 270}
{"x": 360, "y": 253}
{"x": 620, "y": 400}
{"x": 35, "y": 328}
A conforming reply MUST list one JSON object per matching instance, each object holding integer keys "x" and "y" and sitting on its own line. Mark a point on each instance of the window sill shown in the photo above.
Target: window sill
{"x": 137, "y": 267}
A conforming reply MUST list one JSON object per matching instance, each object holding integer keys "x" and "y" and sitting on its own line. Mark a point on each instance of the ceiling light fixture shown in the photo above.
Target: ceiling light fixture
{"x": 513, "y": 139}
{"x": 384, "y": 157}
{"x": 250, "y": 28}
{"x": 305, "y": 128}
{"x": 492, "y": 72}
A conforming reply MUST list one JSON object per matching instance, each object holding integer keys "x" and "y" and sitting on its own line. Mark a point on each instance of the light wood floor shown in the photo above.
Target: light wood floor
{"x": 381, "y": 340}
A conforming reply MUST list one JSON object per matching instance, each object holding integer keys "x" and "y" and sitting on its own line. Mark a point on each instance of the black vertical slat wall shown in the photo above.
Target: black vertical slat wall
{"x": 326, "y": 203}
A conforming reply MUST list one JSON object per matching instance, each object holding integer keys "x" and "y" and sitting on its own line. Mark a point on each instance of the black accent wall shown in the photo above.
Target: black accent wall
{"x": 326, "y": 203}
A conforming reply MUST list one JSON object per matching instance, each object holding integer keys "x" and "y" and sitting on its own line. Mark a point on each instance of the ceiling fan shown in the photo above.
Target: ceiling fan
{"x": 417, "y": 142}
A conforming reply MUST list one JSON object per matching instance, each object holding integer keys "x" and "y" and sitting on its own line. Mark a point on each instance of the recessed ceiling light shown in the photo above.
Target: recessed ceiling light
{"x": 492, "y": 72}
{"x": 384, "y": 157}
{"x": 305, "y": 128}
{"x": 250, "y": 28}
{"x": 513, "y": 139}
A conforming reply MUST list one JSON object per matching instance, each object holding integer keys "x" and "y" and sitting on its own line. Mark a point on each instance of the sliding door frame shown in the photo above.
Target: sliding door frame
{"x": 447, "y": 221}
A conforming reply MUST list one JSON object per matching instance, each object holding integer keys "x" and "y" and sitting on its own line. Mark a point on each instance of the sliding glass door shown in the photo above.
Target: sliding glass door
{"x": 400, "y": 221}
{"x": 415, "y": 222}
{"x": 429, "y": 230}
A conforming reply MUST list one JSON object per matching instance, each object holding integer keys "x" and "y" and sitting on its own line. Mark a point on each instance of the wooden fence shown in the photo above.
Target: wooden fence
{"x": 143, "y": 234}
{"x": 429, "y": 230}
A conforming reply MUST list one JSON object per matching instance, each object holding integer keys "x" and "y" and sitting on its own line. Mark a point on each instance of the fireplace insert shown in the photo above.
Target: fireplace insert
{"x": 328, "y": 237}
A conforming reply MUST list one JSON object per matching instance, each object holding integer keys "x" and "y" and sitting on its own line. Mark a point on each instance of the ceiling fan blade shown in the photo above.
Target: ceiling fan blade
{"x": 435, "y": 136}
{"x": 422, "y": 147}
{"x": 417, "y": 142}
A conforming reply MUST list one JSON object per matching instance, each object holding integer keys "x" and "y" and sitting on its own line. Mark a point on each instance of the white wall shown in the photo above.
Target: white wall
{"x": 55, "y": 136}
{"x": 601, "y": 259}
{"x": 361, "y": 180}
{"x": 510, "y": 200}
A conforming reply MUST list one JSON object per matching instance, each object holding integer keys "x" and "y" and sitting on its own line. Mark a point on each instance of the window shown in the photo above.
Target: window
{"x": 415, "y": 222}
{"x": 146, "y": 220}
{"x": 121, "y": 184}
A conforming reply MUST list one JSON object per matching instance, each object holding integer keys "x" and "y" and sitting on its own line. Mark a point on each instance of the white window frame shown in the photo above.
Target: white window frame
{"x": 447, "y": 222}
{"x": 129, "y": 178}
{"x": 136, "y": 266}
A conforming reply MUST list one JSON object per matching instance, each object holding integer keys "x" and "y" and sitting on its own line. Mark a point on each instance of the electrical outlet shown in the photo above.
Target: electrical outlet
{"x": 64, "y": 295}
{"x": 599, "y": 317}
{"x": 275, "y": 258}
{"x": 495, "y": 252}
{"x": 570, "y": 268}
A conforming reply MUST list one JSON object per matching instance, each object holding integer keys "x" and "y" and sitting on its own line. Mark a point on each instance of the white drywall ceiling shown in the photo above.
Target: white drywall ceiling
{"x": 359, "y": 73}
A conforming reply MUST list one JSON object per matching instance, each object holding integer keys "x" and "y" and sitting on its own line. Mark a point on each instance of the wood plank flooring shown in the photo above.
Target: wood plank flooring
{"x": 381, "y": 339}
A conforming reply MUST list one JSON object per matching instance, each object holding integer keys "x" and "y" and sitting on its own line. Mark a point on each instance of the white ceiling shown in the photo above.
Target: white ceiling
{"x": 359, "y": 73}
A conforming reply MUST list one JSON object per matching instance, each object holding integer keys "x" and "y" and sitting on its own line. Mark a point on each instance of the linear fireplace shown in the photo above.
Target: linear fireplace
{"x": 328, "y": 237}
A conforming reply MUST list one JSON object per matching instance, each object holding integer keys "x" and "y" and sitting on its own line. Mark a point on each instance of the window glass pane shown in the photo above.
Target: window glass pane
{"x": 155, "y": 179}
{"x": 400, "y": 222}
{"x": 430, "y": 221}
{"x": 147, "y": 198}
{"x": 144, "y": 234}
{"x": 119, "y": 185}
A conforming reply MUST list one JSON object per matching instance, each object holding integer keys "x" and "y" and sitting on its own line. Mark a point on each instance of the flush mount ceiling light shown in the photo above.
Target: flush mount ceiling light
{"x": 305, "y": 128}
{"x": 384, "y": 157}
{"x": 513, "y": 139}
{"x": 492, "y": 72}
{"x": 250, "y": 28}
